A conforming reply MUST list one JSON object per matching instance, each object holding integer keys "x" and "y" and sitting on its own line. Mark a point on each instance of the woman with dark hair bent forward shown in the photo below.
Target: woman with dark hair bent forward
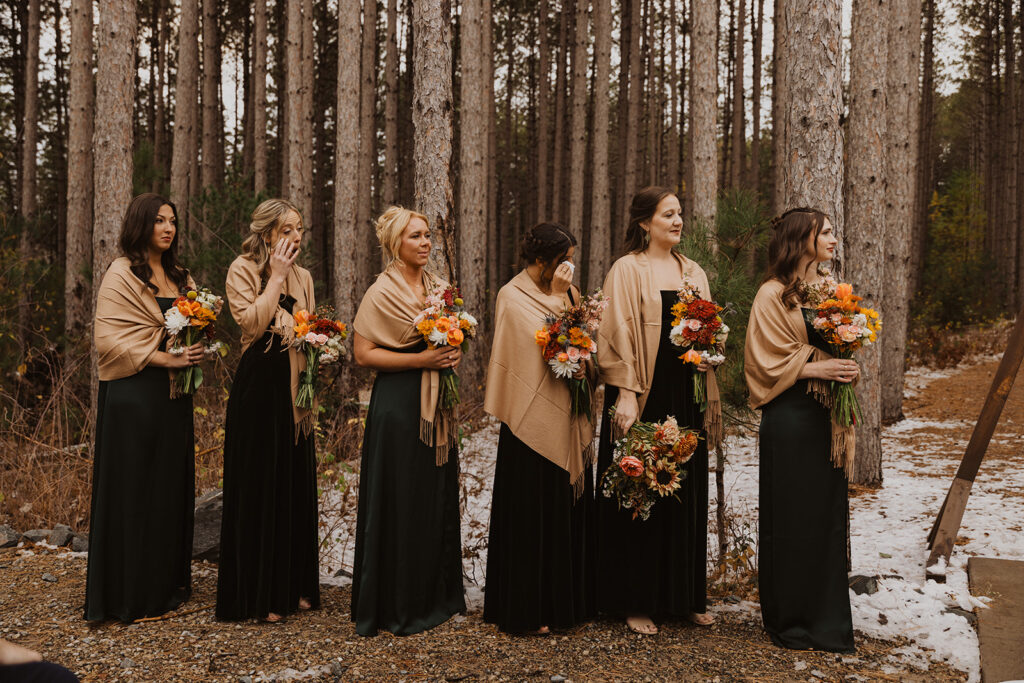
{"x": 140, "y": 531}
{"x": 269, "y": 556}
{"x": 539, "y": 575}
{"x": 407, "y": 575}
{"x": 654, "y": 568}
{"x": 803, "y": 507}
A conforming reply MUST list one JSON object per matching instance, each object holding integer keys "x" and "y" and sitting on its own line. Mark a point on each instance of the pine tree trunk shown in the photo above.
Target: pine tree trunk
{"x": 543, "y": 110}
{"x": 298, "y": 82}
{"x": 112, "y": 139}
{"x": 185, "y": 97}
{"x": 211, "y": 97}
{"x": 346, "y": 154}
{"x": 866, "y": 213}
{"x": 578, "y": 135}
{"x": 558, "y": 209}
{"x": 675, "y": 125}
{"x": 754, "y": 179}
{"x": 431, "y": 114}
{"x": 367, "y": 255}
{"x": 634, "y": 113}
{"x": 306, "y": 124}
{"x": 160, "y": 114}
{"x": 703, "y": 101}
{"x": 730, "y": 62}
{"x": 494, "y": 232}
{"x": 780, "y": 49}
{"x": 389, "y": 193}
{"x": 739, "y": 142}
{"x": 925, "y": 156}
{"x": 472, "y": 220}
{"x": 902, "y": 102}
{"x": 78, "y": 250}
{"x": 624, "y": 125}
{"x": 260, "y": 97}
{"x": 809, "y": 164}
{"x": 30, "y": 131}
{"x": 1008, "y": 191}
{"x": 600, "y": 213}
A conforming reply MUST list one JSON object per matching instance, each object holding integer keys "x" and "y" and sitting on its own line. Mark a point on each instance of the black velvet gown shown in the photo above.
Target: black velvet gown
{"x": 269, "y": 555}
{"x": 805, "y": 600}
{"x": 657, "y": 567}
{"x": 407, "y": 575}
{"x": 540, "y": 569}
{"x": 143, "y": 495}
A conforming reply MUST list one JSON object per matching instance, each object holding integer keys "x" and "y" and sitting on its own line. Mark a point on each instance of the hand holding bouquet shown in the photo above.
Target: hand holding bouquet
{"x": 646, "y": 464}
{"x": 191, "y": 319}
{"x": 445, "y": 322}
{"x": 567, "y": 342}
{"x": 698, "y": 327}
{"x": 319, "y": 337}
{"x": 845, "y": 326}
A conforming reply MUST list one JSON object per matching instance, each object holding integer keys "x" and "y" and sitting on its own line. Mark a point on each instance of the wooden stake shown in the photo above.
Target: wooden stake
{"x": 947, "y": 524}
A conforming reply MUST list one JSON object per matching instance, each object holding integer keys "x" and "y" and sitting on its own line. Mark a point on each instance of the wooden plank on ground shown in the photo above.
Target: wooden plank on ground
{"x": 1001, "y": 625}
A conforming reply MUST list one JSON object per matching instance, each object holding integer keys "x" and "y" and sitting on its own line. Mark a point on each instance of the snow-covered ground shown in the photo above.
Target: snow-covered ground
{"x": 889, "y": 528}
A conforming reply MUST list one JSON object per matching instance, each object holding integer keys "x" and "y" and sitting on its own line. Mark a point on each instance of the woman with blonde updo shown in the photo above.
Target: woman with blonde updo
{"x": 269, "y": 562}
{"x": 407, "y": 576}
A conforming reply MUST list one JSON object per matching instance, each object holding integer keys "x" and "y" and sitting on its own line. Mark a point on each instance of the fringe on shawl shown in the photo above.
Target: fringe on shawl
{"x": 580, "y": 482}
{"x": 427, "y": 435}
{"x": 844, "y": 439}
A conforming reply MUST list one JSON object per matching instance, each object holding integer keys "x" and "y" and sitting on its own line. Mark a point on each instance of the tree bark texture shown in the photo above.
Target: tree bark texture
{"x": 703, "y": 106}
{"x": 30, "y": 133}
{"x": 211, "y": 167}
{"x": 601, "y": 211}
{"x": 78, "y": 250}
{"x": 902, "y": 102}
{"x": 346, "y": 155}
{"x": 578, "y": 134}
{"x": 389, "y": 190}
{"x": 185, "y": 97}
{"x": 432, "y": 125}
{"x": 739, "y": 143}
{"x": 866, "y": 213}
{"x": 366, "y": 244}
{"x": 810, "y": 161}
{"x": 260, "y": 97}
{"x": 112, "y": 139}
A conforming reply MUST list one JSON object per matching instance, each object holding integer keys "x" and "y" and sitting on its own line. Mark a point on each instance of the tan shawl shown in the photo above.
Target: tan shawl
{"x": 385, "y": 317}
{"x": 255, "y": 313}
{"x": 129, "y": 325}
{"x": 627, "y": 342}
{"x": 522, "y": 391}
{"x": 777, "y": 348}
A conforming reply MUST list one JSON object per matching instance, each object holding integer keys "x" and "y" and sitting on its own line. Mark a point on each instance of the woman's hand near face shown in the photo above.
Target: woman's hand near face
{"x": 283, "y": 255}
{"x": 562, "y": 278}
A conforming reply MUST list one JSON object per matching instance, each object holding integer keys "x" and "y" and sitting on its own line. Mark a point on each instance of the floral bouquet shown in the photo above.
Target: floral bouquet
{"x": 567, "y": 341}
{"x": 845, "y": 326}
{"x": 444, "y": 322}
{"x": 646, "y": 464}
{"x": 698, "y": 327}
{"x": 319, "y": 337}
{"x": 190, "y": 319}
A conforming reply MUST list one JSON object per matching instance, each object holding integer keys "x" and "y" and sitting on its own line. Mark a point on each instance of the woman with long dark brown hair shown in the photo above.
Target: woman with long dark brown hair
{"x": 803, "y": 506}
{"x": 654, "y": 568}
{"x": 140, "y": 531}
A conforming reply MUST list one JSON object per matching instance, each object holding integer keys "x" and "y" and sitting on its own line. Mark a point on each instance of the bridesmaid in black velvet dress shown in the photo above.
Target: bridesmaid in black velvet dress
{"x": 803, "y": 505}
{"x": 656, "y": 568}
{"x": 140, "y": 536}
{"x": 269, "y": 557}
{"x": 407, "y": 575}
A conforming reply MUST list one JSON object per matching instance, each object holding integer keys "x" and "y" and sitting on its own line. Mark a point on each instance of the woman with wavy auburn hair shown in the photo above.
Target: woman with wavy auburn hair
{"x": 407, "y": 575}
{"x": 140, "y": 531}
{"x": 803, "y": 508}
{"x": 269, "y": 557}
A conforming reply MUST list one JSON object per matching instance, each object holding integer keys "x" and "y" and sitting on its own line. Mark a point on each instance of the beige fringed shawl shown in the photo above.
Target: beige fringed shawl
{"x": 522, "y": 391}
{"x": 129, "y": 325}
{"x": 627, "y": 342}
{"x": 255, "y": 313}
{"x": 385, "y": 317}
{"x": 776, "y": 350}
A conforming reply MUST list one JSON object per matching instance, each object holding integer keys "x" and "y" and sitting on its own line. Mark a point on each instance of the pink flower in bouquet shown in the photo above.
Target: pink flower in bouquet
{"x": 573, "y": 353}
{"x": 692, "y": 323}
{"x": 632, "y": 466}
{"x": 848, "y": 333}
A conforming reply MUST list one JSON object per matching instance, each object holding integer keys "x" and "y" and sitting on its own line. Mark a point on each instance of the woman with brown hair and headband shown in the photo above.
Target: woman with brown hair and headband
{"x": 654, "y": 568}
{"x": 804, "y": 458}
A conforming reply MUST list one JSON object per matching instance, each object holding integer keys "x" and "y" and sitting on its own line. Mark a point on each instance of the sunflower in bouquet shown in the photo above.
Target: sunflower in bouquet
{"x": 647, "y": 464}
